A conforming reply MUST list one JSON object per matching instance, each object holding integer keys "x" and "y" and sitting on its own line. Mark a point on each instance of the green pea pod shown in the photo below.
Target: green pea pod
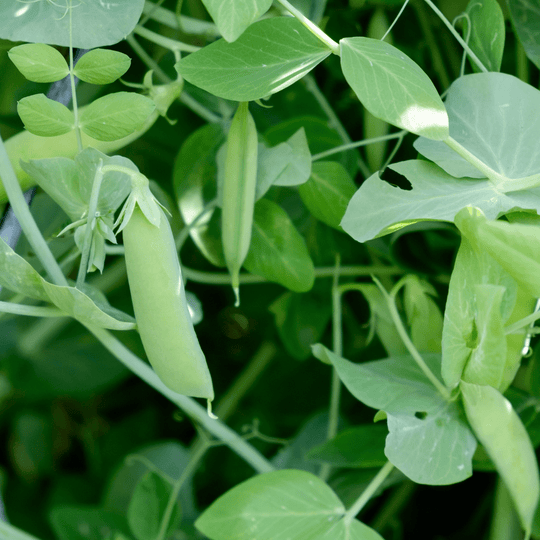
{"x": 239, "y": 182}
{"x": 159, "y": 302}
{"x": 498, "y": 427}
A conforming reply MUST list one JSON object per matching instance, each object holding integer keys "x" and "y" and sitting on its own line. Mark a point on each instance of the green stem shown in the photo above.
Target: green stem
{"x": 522, "y": 62}
{"x": 335, "y": 392}
{"x": 364, "y": 142}
{"x": 368, "y": 493}
{"x": 91, "y": 225}
{"x": 28, "y": 225}
{"x": 73, "y": 87}
{"x": 184, "y": 233}
{"x": 393, "y": 505}
{"x": 190, "y": 407}
{"x": 312, "y": 27}
{"x": 165, "y": 42}
{"x": 390, "y": 301}
{"x": 522, "y": 323}
{"x": 454, "y": 32}
{"x": 30, "y": 311}
{"x": 312, "y": 87}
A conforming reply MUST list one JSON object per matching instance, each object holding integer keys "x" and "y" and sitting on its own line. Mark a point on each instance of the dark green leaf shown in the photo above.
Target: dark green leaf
{"x": 526, "y": 20}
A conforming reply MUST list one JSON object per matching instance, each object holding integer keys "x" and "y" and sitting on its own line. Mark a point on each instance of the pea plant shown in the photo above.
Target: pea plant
{"x": 272, "y": 157}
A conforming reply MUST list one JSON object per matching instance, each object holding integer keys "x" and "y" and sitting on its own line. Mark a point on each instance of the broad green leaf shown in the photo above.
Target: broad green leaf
{"x": 117, "y": 115}
{"x": 503, "y": 435}
{"x": 423, "y": 315}
{"x": 428, "y": 440}
{"x": 86, "y": 523}
{"x": 392, "y": 87}
{"x": 147, "y": 507}
{"x": 102, "y": 66}
{"x": 45, "y": 117}
{"x": 93, "y": 24}
{"x": 290, "y": 503}
{"x": 487, "y": 33}
{"x": 359, "y": 446}
{"x": 301, "y": 320}
{"x": 515, "y": 247}
{"x": 39, "y": 63}
{"x": 496, "y": 117}
{"x": 269, "y": 56}
{"x": 286, "y": 164}
{"x": 232, "y": 17}
{"x": 472, "y": 271}
{"x": 379, "y": 208}
{"x": 69, "y": 182}
{"x": 194, "y": 180}
{"x": 526, "y": 21}
{"x": 327, "y": 192}
{"x": 18, "y": 276}
{"x": 277, "y": 251}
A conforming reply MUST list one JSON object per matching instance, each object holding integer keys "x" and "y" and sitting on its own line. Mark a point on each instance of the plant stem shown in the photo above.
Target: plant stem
{"x": 28, "y": 225}
{"x": 393, "y": 505}
{"x": 190, "y": 407}
{"x": 165, "y": 42}
{"x": 390, "y": 301}
{"x": 364, "y": 142}
{"x": 312, "y": 27}
{"x": 184, "y": 233}
{"x": 454, "y": 32}
{"x": 30, "y": 311}
{"x": 73, "y": 86}
{"x": 368, "y": 493}
{"x": 91, "y": 225}
{"x": 522, "y": 62}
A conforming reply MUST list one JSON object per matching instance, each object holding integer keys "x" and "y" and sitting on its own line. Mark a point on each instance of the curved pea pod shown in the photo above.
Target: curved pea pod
{"x": 159, "y": 302}
{"x": 500, "y": 430}
{"x": 239, "y": 183}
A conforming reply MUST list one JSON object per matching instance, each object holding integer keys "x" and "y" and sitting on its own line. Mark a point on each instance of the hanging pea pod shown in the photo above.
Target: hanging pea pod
{"x": 239, "y": 192}
{"x": 159, "y": 299}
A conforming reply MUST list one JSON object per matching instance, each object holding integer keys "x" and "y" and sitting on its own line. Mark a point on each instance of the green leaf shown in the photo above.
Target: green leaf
{"x": 301, "y": 320}
{"x": 45, "y": 117}
{"x": 69, "y": 182}
{"x": 89, "y": 25}
{"x": 85, "y": 522}
{"x": 464, "y": 319}
{"x": 327, "y": 192}
{"x": 423, "y": 315}
{"x": 379, "y": 208}
{"x": 269, "y": 56}
{"x": 20, "y": 277}
{"x": 194, "y": 179}
{"x": 232, "y": 17}
{"x": 392, "y": 87}
{"x": 117, "y": 115}
{"x": 277, "y": 251}
{"x": 428, "y": 440}
{"x": 515, "y": 247}
{"x": 526, "y": 21}
{"x": 39, "y": 63}
{"x": 286, "y": 164}
{"x": 495, "y": 117}
{"x": 294, "y": 504}
{"x": 502, "y": 434}
{"x": 359, "y": 446}
{"x": 487, "y": 33}
{"x": 102, "y": 66}
{"x": 148, "y": 505}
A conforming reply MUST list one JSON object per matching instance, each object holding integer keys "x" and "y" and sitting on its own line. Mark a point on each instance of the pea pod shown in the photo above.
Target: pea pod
{"x": 239, "y": 192}
{"x": 159, "y": 302}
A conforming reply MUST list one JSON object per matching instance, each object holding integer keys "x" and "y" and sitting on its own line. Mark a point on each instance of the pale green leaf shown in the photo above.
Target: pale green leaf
{"x": 232, "y": 17}
{"x": 117, "y": 115}
{"x": 487, "y": 33}
{"x": 277, "y": 250}
{"x": 39, "y": 63}
{"x": 503, "y": 435}
{"x": 102, "y": 66}
{"x": 392, "y": 87}
{"x": 428, "y": 440}
{"x": 45, "y": 117}
{"x": 327, "y": 192}
{"x": 269, "y": 56}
